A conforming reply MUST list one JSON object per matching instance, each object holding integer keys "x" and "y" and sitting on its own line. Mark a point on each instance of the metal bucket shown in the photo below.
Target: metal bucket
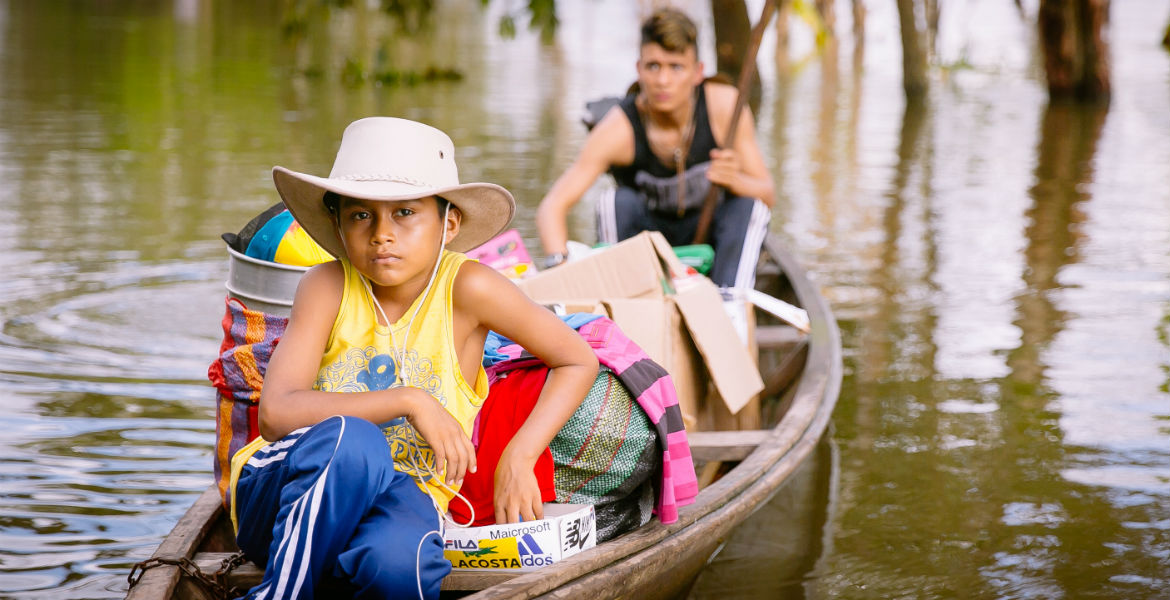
{"x": 262, "y": 285}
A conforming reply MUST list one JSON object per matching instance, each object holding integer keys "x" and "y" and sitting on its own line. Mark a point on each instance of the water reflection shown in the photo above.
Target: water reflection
{"x": 79, "y": 495}
{"x": 777, "y": 551}
{"x": 1068, "y": 141}
{"x": 999, "y": 267}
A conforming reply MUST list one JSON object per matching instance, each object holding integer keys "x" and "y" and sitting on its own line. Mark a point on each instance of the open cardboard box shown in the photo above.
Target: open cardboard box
{"x": 678, "y": 319}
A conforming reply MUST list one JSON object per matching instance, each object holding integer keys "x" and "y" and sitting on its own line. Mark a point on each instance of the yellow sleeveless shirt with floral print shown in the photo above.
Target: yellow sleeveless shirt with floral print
{"x": 360, "y": 356}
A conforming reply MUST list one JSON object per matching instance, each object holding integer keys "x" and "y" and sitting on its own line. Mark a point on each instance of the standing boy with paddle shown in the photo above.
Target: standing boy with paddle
{"x": 663, "y": 146}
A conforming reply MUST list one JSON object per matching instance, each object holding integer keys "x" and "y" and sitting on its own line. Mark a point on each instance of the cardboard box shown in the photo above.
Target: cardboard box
{"x": 657, "y": 327}
{"x": 629, "y": 269}
{"x": 565, "y": 530}
{"x": 677, "y": 318}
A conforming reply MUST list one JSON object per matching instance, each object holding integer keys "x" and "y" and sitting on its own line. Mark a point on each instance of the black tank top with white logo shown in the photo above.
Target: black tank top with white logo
{"x": 644, "y": 158}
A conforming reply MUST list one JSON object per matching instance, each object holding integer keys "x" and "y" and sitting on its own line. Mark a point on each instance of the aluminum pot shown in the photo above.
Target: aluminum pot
{"x": 262, "y": 285}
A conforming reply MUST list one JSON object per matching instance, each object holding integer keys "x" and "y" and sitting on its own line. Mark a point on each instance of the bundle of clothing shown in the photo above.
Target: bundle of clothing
{"x": 624, "y": 450}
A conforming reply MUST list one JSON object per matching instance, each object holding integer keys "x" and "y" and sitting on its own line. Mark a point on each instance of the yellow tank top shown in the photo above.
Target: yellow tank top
{"x": 359, "y": 356}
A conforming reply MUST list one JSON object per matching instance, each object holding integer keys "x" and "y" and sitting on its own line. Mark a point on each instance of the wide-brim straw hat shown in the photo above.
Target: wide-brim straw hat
{"x": 384, "y": 158}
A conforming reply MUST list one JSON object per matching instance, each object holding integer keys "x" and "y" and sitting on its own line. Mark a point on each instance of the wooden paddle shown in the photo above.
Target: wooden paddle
{"x": 745, "y": 80}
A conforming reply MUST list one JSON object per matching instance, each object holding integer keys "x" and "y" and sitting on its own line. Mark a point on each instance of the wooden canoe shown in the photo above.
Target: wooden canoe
{"x": 739, "y": 471}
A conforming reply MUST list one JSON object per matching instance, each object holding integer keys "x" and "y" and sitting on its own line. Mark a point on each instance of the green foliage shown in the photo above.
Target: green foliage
{"x": 353, "y": 73}
{"x": 412, "y": 16}
{"x": 406, "y": 17}
{"x": 297, "y": 16}
{"x": 507, "y": 27}
{"x": 542, "y": 17}
{"x": 963, "y": 63}
{"x": 409, "y": 18}
{"x": 430, "y": 74}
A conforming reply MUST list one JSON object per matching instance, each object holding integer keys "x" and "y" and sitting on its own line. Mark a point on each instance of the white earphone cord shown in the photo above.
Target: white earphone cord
{"x": 401, "y": 356}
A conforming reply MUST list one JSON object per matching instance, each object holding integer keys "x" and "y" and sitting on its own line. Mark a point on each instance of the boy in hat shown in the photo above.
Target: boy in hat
{"x": 663, "y": 146}
{"x": 353, "y": 486}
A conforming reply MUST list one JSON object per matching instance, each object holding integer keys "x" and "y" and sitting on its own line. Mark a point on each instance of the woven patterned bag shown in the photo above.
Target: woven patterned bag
{"x": 607, "y": 455}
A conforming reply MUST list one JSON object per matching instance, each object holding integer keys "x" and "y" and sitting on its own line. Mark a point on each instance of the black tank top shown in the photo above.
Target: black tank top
{"x": 645, "y": 160}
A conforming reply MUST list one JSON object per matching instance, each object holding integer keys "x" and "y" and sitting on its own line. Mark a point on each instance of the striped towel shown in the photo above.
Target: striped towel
{"x": 249, "y": 337}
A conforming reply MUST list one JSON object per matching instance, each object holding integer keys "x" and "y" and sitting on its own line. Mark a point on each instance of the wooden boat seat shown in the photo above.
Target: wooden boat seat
{"x": 724, "y": 446}
{"x": 792, "y": 346}
{"x": 780, "y": 337}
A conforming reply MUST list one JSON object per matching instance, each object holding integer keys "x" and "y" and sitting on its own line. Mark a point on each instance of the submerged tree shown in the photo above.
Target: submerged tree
{"x": 361, "y": 42}
{"x": 1076, "y": 52}
{"x": 733, "y": 27}
{"x": 913, "y": 50}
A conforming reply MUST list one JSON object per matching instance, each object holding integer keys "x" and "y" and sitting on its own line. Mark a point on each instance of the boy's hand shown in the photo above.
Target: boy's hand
{"x": 517, "y": 494}
{"x": 454, "y": 454}
{"x": 725, "y": 168}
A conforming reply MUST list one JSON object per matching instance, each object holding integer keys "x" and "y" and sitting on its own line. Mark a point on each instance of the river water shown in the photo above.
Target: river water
{"x": 1000, "y": 269}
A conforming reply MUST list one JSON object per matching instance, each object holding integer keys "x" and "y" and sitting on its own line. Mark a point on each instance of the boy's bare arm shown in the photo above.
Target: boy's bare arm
{"x": 497, "y": 304}
{"x": 288, "y": 400}
{"x": 610, "y": 143}
{"x": 740, "y": 169}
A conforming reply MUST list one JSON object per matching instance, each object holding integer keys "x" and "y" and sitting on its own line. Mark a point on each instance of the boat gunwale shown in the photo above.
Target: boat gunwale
{"x": 193, "y": 527}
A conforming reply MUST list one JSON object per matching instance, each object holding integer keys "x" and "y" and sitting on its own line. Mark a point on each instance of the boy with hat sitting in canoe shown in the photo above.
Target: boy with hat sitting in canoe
{"x": 352, "y": 487}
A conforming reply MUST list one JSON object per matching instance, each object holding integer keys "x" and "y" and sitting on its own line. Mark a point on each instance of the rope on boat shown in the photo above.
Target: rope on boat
{"x": 214, "y": 583}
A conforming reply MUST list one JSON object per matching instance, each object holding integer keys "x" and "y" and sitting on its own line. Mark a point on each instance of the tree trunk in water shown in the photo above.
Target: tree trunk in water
{"x": 913, "y": 51}
{"x": 828, "y": 16}
{"x": 858, "y": 35}
{"x": 733, "y": 32}
{"x": 1069, "y": 136}
{"x": 933, "y": 10}
{"x": 1076, "y": 53}
{"x": 783, "y": 14}
{"x": 859, "y": 22}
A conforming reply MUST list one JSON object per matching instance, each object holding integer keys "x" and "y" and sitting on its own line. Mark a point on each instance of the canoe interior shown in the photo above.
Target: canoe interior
{"x": 740, "y": 462}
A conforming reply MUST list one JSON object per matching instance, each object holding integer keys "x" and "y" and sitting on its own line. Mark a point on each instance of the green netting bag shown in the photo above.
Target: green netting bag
{"x": 607, "y": 455}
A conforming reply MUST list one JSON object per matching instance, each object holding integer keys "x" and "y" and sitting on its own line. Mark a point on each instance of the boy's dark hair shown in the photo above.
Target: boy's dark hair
{"x": 332, "y": 201}
{"x": 672, "y": 29}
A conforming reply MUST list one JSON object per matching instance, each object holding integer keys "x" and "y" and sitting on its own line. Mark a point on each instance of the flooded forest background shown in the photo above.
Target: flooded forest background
{"x": 999, "y": 265}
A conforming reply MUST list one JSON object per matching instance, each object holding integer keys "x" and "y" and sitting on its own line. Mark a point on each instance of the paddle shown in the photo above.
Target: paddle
{"x": 745, "y": 80}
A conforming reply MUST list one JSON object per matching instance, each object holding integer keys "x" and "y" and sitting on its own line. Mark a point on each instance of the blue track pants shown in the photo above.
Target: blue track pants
{"x": 737, "y": 230}
{"x": 324, "y": 504}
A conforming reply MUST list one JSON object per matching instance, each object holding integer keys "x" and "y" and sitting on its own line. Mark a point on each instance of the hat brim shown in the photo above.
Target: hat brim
{"x": 487, "y": 208}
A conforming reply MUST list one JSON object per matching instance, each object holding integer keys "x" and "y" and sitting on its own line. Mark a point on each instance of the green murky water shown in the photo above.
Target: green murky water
{"x": 1000, "y": 269}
